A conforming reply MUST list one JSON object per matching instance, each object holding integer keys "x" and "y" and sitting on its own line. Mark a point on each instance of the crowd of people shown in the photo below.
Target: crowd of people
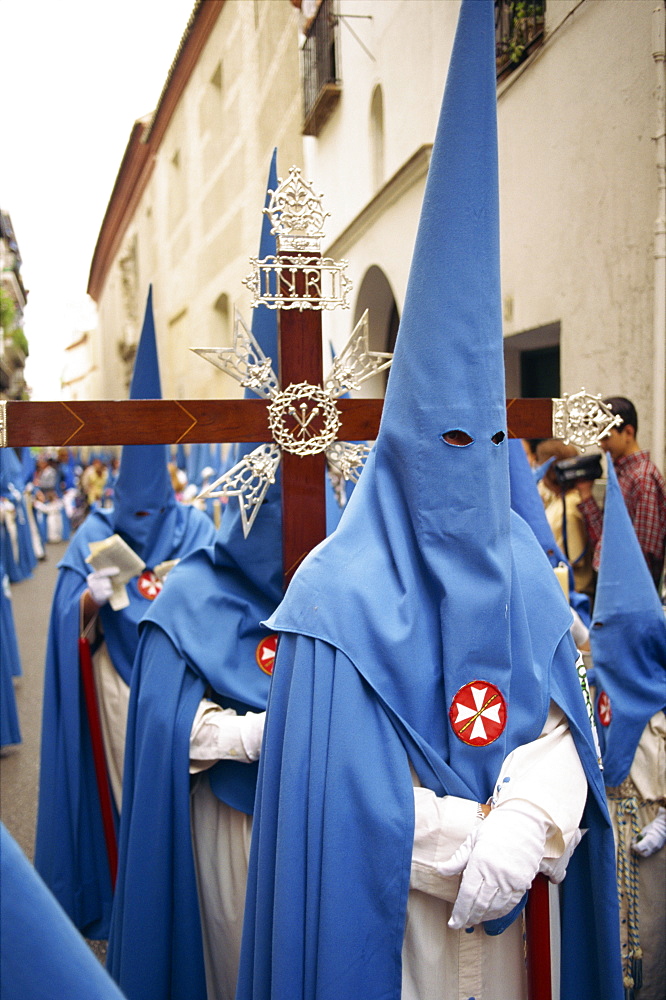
{"x": 45, "y": 496}
{"x": 356, "y": 789}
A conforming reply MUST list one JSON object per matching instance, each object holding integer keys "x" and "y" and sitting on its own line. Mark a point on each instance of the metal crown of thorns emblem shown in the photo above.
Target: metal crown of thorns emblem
{"x": 303, "y": 418}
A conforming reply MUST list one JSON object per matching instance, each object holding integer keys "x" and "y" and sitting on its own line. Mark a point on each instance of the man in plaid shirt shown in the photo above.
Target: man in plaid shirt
{"x": 642, "y": 486}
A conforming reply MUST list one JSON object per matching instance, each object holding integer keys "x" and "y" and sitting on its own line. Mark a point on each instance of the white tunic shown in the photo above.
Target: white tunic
{"x": 438, "y": 963}
{"x": 444, "y": 964}
{"x": 221, "y": 846}
{"x": 113, "y": 704}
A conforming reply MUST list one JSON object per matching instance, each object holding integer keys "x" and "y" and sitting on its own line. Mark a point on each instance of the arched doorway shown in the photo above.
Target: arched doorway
{"x": 376, "y": 295}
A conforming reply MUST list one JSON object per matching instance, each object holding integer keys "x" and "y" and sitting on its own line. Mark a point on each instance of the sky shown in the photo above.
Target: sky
{"x": 76, "y": 75}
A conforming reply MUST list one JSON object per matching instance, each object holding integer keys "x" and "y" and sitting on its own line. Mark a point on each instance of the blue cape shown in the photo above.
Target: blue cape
{"x": 627, "y": 639}
{"x": 42, "y": 955}
{"x": 70, "y": 852}
{"x": 430, "y": 582}
{"x": 11, "y": 486}
{"x": 204, "y": 632}
{"x": 10, "y": 667}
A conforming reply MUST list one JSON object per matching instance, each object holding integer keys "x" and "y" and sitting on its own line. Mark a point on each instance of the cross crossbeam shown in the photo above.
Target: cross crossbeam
{"x": 78, "y": 423}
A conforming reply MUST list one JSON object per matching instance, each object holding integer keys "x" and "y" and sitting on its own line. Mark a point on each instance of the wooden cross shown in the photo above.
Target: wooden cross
{"x": 300, "y": 271}
{"x": 154, "y": 421}
{"x": 74, "y": 424}
{"x": 295, "y": 282}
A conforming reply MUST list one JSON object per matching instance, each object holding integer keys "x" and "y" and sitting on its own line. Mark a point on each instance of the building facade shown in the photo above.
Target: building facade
{"x": 13, "y": 344}
{"x": 185, "y": 213}
{"x": 351, "y": 90}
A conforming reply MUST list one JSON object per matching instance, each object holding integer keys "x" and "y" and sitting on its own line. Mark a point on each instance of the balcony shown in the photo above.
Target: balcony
{"x": 518, "y": 31}
{"x": 321, "y": 83}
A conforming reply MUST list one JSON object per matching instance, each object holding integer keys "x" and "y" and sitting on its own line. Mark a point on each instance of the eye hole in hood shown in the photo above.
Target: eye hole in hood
{"x": 457, "y": 438}
{"x": 497, "y": 438}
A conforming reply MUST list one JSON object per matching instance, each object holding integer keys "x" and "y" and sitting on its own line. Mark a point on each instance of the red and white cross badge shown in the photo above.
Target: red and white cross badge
{"x": 149, "y": 585}
{"x": 604, "y": 709}
{"x": 478, "y": 713}
{"x": 265, "y": 653}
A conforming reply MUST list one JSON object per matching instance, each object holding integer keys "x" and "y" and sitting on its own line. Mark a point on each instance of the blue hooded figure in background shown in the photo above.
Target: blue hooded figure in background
{"x": 525, "y": 500}
{"x": 70, "y": 852}
{"x": 15, "y": 538}
{"x": 203, "y": 667}
{"x": 10, "y": 665}
{"x": 628, "y": 644}
{"x": 62, "y": 965}
{"x": 426, "y": 718}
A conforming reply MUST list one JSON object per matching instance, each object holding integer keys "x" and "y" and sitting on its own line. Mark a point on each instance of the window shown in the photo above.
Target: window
{"x": 377, "y": 137}
{"x": 532, "y": 362}
{"x": 320, "y": 58}
{"x": 540, "y": 373}
{"x": 221, "y": 327}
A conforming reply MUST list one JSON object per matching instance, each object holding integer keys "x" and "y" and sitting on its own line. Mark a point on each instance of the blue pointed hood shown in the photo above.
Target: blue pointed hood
{"x": 10, "y": 472}
{"x": 525, "y": 500}
{"x": 627, "y": 639}
{"x": 441, "y": 634}
{"x": 143, "y": 480}
{"x": 447, "y": 376}
{"x": 624, "y": 584}
{"x": 259, "y": 556}
{"x": 428, "y": 518}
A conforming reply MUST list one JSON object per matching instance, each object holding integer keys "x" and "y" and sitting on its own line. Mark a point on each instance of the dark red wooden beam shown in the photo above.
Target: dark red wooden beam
{"x": 155, "y": 421}
{"x": 303, "y": 493}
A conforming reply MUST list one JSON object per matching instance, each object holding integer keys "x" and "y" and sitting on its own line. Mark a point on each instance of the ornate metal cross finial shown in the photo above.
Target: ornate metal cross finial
{"x": 244, "y": 360}
{"x": 249, "y": 481}
{"x": 356, "y": 363}
{"x": 582, "y": 419}
{"x": 296, "y": 214}
{"x": 303, "y": 418}
{"x": 292, "y": 280}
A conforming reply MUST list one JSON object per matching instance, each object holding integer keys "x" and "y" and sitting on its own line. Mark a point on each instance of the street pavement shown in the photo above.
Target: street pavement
{"x": 19, "y": 765}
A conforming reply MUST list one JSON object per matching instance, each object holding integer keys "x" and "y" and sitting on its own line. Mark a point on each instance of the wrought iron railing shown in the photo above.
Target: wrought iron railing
{"x": 519, "y": 26}
{"x": 320, "y": 54}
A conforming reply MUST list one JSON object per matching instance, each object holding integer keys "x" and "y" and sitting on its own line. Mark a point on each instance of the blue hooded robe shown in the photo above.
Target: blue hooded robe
{"x": 10, "y": 666}
{"x": 70, "y": 852}
{"x": 627, "y": 639}
{"x": 628, "y": 644}
{"x": 430, "y": 582}
{"x": 11, "y": 486}
{"x": 42, "y": 955}
{"x": 205, "y": 631}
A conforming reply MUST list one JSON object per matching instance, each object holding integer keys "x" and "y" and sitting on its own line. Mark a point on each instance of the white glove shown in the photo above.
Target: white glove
{"x": 556, "y": 868}
{"x": 498, "y": 860}
{"x": 652, "y": 837}
{"x": 99, "y": 584}
{"x": 251, "y": 733}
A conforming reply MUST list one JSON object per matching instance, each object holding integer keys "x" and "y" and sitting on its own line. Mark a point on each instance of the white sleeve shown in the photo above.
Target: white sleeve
{"x": 440, "y": 827}
{"x": 546, "y": 773}
{"x": 217, "y": 734}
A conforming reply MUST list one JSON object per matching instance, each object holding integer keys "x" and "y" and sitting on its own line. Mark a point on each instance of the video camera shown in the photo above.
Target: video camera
{"x": 569, "y": 471}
